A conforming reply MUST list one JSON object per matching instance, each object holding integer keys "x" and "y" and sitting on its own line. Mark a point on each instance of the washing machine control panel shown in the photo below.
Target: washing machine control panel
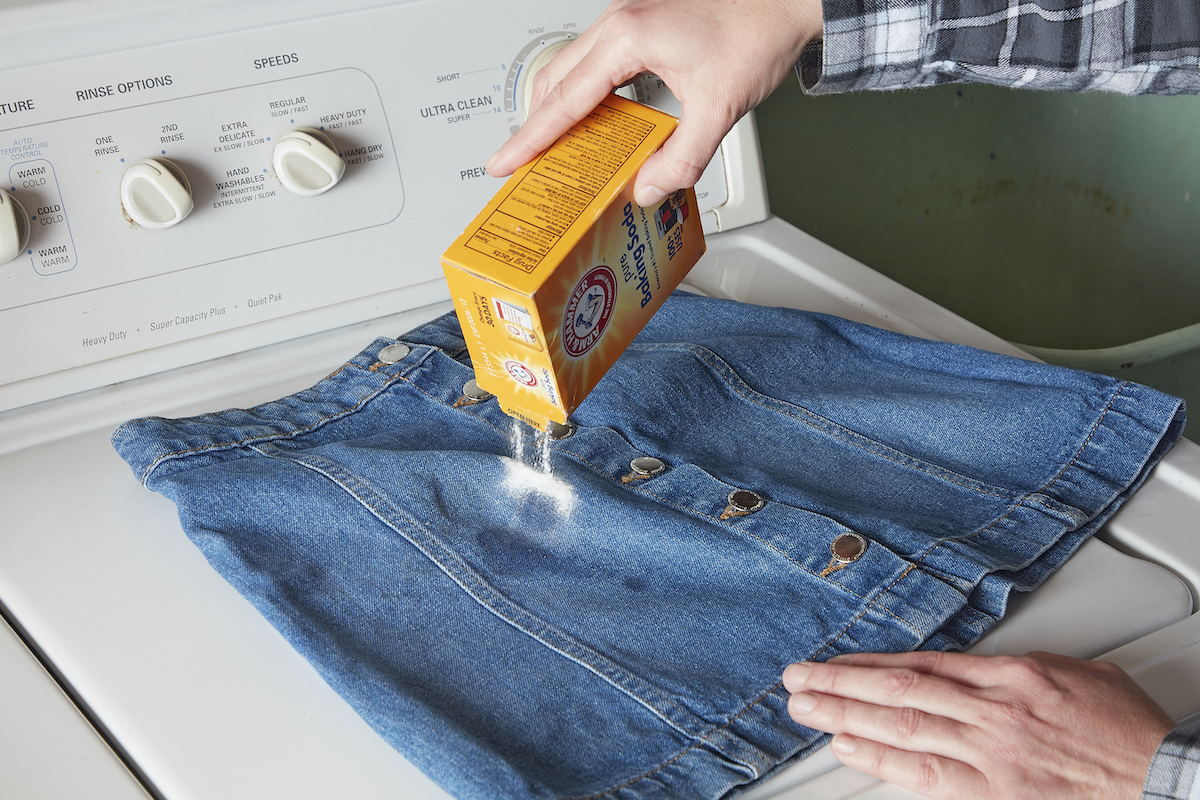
{"x": 265, "y": 182}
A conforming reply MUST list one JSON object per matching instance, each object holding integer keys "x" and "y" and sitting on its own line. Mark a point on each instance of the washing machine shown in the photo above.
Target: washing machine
{"x": 211, "y": 204}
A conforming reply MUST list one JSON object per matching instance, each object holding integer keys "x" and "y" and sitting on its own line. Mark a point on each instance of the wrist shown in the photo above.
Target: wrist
{"x": 809, "y": 18}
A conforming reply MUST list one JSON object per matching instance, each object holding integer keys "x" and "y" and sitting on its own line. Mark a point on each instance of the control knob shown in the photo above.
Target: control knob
{"x": 307, "y": 163}
{"x": 533, "y": 67}
{"x": 156, "y": 193}
{"x": 14, "y": 227}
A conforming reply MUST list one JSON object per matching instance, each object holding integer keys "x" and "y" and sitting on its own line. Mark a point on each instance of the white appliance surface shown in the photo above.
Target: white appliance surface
{"x": 260, "y": 292}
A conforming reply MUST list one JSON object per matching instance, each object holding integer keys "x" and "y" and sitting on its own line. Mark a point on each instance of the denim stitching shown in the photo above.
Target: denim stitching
{"x": 433, "y": 323}
{"x": 703, "y": 740}
{"x": 702, "y": 353}
{"x": 127, "y": 423}
{"x": 858, "y": 440}
{"x": 727, "y": 525}
{"x": 850, "y": 437}
{"x": 908, "y": 571}
{"x": 391, "y": 380}
{"x": 487, "y": 422}
{"x": 1034, "y": 496}
{"x": 1107, "y": 407}
{"x": 1037, "y": 496}
{"x": 679, "y": 718}
{"x": 337, "y": 372}
{"x": 267, "y": 436}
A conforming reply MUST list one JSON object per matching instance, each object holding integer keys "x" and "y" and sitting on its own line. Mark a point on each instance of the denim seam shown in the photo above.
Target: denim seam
{"x": 914, "y": 567}
{"x": 252, "y": 440}
{"x": 411, "y": 336}
{"x": 442, "y": 402}
{"x": 706, "y": 739}
{"x": 127, "y": 423}
{"x": 1095, "y": 427}
{"x": 846, "y": 435}
{"x": 678, "y": 718}
{"x": 918, "y": 561}
{"x": 344, "y": 412}
{"x": 1035, "y": 497}
{"x": 336, "y": 372}
{"x": 984, "y": 619}
{"x": 729, "y": 526}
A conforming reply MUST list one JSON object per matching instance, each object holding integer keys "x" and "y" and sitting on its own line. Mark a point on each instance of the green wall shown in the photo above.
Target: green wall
{"x": 1059, "y": 220}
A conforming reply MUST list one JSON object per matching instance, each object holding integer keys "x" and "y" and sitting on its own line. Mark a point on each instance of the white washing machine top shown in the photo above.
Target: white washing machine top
{"x": 260, "y": 290}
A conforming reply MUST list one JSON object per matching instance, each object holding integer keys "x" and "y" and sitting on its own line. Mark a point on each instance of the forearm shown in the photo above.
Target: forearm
{"x": 1127, "y": 46}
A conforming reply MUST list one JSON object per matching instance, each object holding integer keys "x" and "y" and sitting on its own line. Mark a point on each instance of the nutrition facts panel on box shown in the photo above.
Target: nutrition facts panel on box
{"x": 544, "y": 204}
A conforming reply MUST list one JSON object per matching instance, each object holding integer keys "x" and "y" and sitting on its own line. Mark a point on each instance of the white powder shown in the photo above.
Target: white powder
{"x": 526, "y": 480}
{"x": 517, "y": 437}
{"x": 544, "y": 461}
{"x": 522, "y": 481}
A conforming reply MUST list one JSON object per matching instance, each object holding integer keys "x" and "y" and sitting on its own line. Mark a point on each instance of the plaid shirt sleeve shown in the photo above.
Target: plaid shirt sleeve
{"x": 1127, "y": 46}
{"x": 1172, "y": 774}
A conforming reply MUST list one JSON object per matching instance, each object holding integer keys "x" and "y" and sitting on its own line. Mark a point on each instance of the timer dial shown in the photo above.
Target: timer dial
{"x": 307, "y": 163}
{"x": 533, "y": 66}
{"x": 529, "y": 61}
{"x": 14, "y": 227}
{"x": 156, "y": 193}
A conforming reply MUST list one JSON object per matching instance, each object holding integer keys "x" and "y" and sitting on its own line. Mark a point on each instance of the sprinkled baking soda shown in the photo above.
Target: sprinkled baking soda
{"x": 523, "y": 479}
{"x": 517, "y": 438}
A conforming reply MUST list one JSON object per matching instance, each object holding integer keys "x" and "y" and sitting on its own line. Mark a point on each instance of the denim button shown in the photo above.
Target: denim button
{"x": 848, "y": 547}
{"x": 744, "y": 501}
{"x": 556, "y": 430}
{"x": 471, "y": 391}
{"x": 393, "y": 353}
{"x": 647, "y": 465}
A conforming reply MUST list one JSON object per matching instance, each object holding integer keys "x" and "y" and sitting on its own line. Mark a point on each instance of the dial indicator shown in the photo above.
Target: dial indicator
{"x": 518, "y": 85}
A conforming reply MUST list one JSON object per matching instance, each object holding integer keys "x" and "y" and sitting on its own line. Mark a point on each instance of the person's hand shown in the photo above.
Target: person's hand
{"x": 720, "y": 58}
{"x": 949, "y": 725}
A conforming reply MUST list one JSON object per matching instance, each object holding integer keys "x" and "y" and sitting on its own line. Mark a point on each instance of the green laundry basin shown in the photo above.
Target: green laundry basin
{"x": 1068, "y": 223}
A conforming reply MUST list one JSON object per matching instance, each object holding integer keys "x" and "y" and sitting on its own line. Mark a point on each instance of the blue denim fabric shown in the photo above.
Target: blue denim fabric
{"x": 633, "y": 647}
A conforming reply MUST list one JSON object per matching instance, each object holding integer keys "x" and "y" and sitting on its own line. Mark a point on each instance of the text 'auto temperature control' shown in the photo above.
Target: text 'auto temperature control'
{"x": 14, "y": 227}
{"x": 307, "y": 163}
{"x": 156, "y": 193}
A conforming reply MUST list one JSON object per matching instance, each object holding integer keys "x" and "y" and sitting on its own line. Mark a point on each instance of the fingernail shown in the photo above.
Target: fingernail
{"x": 649, "y": 196}
{"x": 844, "y": 744}
{"x": 802, "y": 703}
{"x": 795, "y": 675}
{"x": 490, "y": 161}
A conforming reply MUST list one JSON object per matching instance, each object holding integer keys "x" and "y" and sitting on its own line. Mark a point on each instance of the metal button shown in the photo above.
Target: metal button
{"x": 556, "y": 430}
{"x": 394, "y": 352}
{"x": 848, "y": 547}
{"x": 744, "y": 501}
{"x": 471, "y": 391}
{"x": 647, "y": 465}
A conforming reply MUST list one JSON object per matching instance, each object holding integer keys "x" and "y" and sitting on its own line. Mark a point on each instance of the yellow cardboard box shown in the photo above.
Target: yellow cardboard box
{"x": 562, "y": 269}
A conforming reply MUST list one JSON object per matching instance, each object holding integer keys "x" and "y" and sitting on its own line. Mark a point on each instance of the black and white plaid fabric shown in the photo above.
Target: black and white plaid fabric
{"x": 1127, "y": 46}
{"x": 1172, "y": 773}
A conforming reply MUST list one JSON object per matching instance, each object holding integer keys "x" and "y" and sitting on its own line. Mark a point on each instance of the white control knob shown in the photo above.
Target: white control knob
{"x": 307, "y": 163}
{"x": 532, "y": 68}
{"x": 524, "y": 91}
{"x": 14, "y": 227}
{"x": 156, "y": 193}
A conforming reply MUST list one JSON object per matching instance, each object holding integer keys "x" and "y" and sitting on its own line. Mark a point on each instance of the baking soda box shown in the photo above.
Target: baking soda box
{"x": 562, "y": 269}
